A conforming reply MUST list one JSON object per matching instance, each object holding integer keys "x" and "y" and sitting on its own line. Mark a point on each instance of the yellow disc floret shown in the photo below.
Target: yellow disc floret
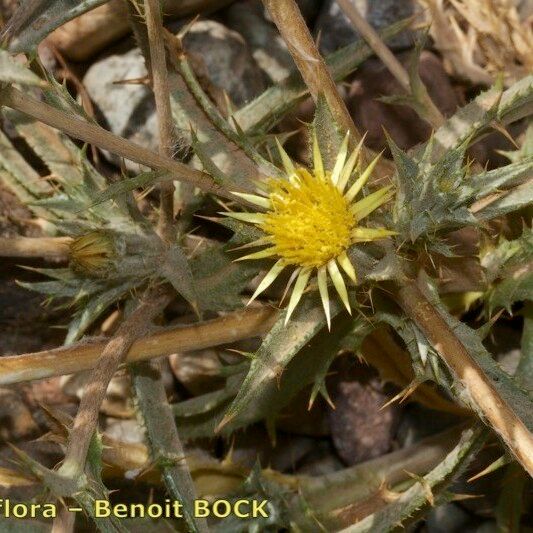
{"x": 309, "y": 220}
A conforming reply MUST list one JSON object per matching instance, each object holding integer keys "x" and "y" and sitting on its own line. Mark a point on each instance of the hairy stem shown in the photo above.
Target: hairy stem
{"x": 84, "y": 356}
{"x": 431, "y": 114}
{"x": 494, "y": 407}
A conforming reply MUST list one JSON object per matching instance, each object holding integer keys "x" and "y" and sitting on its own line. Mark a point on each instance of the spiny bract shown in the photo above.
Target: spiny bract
{"x": 310, "y": 220}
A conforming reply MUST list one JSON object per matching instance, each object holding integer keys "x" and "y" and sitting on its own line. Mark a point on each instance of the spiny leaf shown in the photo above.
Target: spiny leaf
{"x": 94, "y": 308}
{"x": 278, "y": 348}
{"x": 58, "y": 95}
{"x": 416, "y": 343}
{"x": 514, "y": 200}
{"x": 20, "y": 177}
{"x": 58, "y": 152}
{"x": 328, "y": 134}
{"x": 508, "y": 388}
{"x": 418, "y": 97}
{"x": 219, "y": 280}
{"x": 274, "y": 394}
{"x": 234, "y": 140}
{"x": 510, "y": 263}
{"x": 117, "y": 189}
{"x": 229, "y": 164}
{"x": 209, "y": 401}
{"x": 511, "y": 501}
{"x": 475, "y": 118}
{"x": 509, "y": 175}
{"x": 525, "y": 151}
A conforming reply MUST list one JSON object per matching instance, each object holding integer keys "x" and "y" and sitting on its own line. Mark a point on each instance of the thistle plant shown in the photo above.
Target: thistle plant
{"x": 372, "y": 230}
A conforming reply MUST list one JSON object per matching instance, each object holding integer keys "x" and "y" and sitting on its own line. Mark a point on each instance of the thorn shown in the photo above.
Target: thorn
{"x": 501, "y": 129}
{"x": 226, "y": 420}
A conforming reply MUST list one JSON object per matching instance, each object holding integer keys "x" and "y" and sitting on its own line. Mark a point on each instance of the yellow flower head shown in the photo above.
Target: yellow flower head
{"x": 311, "y": 219}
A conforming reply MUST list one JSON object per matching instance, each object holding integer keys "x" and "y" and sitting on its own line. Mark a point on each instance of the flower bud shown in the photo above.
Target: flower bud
{"x": 92, "y": 254}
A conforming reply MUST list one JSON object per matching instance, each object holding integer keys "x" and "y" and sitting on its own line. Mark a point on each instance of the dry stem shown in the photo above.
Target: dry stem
{"x": 83, "y": 356}
{"x": 160, "y": 86}
{"x": 432, "y": 114}
{"x": 86, "y": 420}
{"x": 56, "y": 248}
{"x": 112, "y": 355}
{"x": 293, "y": 29}
{"x": 94, "y": 134}
{"x": 498, "y": 413}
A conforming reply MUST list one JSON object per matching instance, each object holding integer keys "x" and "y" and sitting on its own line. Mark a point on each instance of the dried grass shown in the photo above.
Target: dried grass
{"x": 479, "y": 39}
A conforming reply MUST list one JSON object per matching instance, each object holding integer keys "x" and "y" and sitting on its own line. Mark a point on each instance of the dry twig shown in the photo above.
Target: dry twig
{"x": 56, "y": 248}
{"x": 160, "y": 86}
{"x": 94, "y": 134}
{"x": 232, "y": 327}
{"x": 112, "y": 356}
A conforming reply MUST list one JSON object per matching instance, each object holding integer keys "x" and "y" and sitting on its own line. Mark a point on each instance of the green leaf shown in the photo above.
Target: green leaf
{"x": 21, "y": 178}
{"x": 163, "y": 440}
{"x": 418, "y": 97}
{"x": 432, "y": 195}
{"x": 508, "y": 269}
{"x": 94, "y": 307}
{"x": 508, "y": 388}
{"x": 328, "y": 134}
{"x": 208, "y": 410}
{"x": 417, "y": 345}
{"x": 119, "y": 188}
{"x": 59, "y": 153}
{"x": 198, "y": 417}
{"x": 514, "y": 200}
{"x": 525, "y": 151}
{"x": 243, "y": 233}
{"x": 219, "y": 280}
{"x": 517, "y": 288}
{"x": 175, "y": 268}
{"x": 509, "y": 175}
{"x": 57, "y": 95}
{"x": 221, "y": 156}
{"x": 205, "y": 403}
